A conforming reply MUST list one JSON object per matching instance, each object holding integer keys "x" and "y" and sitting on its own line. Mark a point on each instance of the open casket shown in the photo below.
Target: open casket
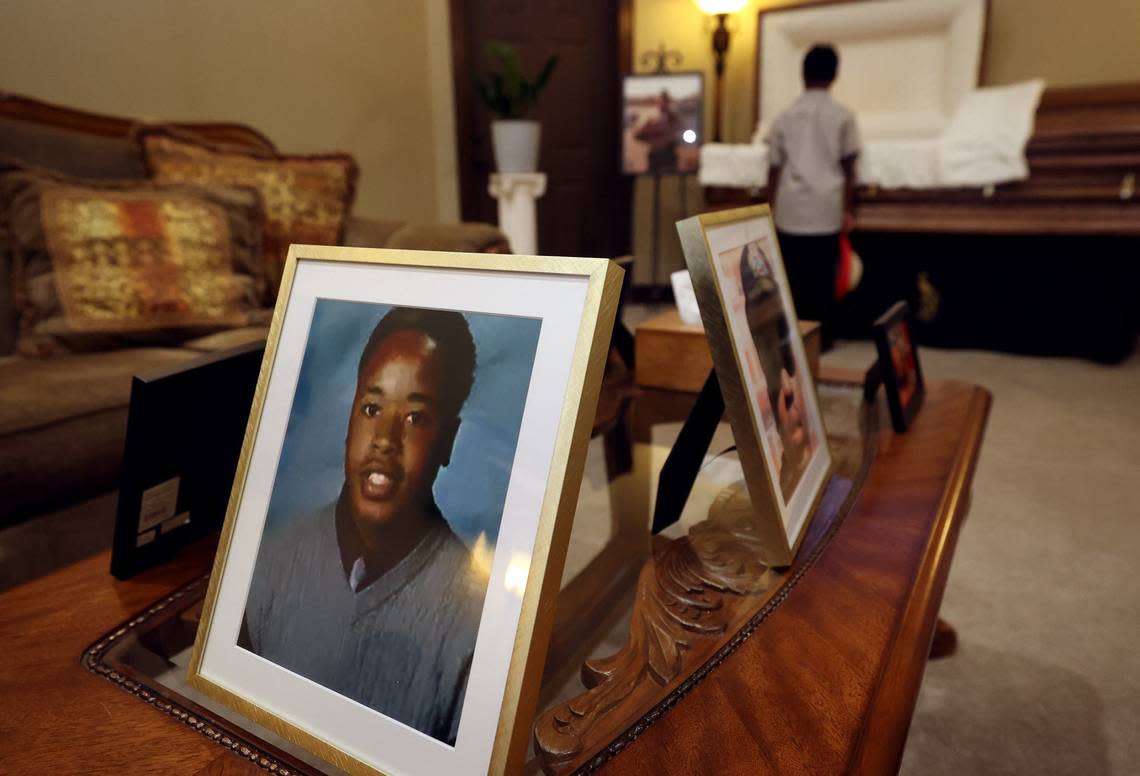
{"x": 1006, "y": 215}
{"x": 909, "y": 71}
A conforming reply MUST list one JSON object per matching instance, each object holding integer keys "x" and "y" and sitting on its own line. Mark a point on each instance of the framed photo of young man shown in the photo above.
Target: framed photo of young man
{"x": 382, "y": 593}
{"x": 769, "y": 397}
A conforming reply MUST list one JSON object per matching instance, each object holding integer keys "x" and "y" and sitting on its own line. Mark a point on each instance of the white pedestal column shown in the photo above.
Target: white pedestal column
{"x": 516, "y": 193}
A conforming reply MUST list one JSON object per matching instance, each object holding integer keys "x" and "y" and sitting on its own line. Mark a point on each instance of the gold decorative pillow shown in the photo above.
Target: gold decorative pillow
{"x": 307, "y": 199}
{"x": 99, "y": 266}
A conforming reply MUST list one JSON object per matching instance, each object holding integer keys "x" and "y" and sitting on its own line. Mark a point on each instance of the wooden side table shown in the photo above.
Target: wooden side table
{"x": 673, "y": 355}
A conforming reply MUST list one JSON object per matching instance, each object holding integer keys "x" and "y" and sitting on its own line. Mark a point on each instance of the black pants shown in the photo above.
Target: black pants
{"x": 811, "y": 261}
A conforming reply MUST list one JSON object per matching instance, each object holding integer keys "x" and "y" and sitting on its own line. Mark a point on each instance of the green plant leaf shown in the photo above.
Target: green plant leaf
{"x": 544, "y": 75}
{"x": 483, "y": 89}
{"x": 506, "y": 91}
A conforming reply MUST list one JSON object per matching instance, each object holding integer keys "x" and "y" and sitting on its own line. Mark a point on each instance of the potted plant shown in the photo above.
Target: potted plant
{"x": 510, "y": 96}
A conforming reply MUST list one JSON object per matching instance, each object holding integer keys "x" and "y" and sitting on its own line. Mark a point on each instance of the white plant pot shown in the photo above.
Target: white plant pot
{"x": 516, "y": 144}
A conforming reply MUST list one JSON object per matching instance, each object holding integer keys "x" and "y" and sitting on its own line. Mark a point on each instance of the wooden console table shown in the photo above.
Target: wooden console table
{"x": 826, "y": 684}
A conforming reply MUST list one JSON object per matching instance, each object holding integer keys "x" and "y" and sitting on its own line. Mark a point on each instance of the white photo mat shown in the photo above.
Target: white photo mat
{"x": 367, "y": 735}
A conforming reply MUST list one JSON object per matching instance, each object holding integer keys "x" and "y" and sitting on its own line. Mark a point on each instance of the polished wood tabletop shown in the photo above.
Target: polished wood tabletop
{"x": 827, "y": 684}
{"x": 61, "y": 719}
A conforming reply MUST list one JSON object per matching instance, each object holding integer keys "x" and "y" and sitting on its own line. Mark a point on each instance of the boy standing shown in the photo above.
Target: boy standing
{"x": 812, "y": 148}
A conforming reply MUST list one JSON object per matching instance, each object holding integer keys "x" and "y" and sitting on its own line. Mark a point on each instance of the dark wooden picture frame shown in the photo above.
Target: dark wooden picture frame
{"x": 899, "y": 366}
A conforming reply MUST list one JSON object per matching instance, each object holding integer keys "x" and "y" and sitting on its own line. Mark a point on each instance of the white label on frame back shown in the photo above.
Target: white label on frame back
{"x": 158, "y": 504}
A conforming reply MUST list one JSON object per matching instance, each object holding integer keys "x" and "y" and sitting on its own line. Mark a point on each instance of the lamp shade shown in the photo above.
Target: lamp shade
{"x": 720, "y": 6}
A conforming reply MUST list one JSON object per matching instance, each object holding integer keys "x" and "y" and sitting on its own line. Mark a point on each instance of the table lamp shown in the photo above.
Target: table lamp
{"x": 720, "y": 9}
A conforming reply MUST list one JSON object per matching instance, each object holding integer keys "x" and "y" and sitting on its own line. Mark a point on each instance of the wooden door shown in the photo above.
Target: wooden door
{"x": 586, "y": 208}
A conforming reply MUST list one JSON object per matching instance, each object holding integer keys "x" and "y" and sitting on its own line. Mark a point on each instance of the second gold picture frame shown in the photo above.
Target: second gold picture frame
{"x": 747, "y": 311}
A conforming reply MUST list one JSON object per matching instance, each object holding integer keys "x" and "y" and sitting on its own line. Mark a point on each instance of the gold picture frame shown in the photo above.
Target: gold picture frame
{"x": 581, "y": 297}
{"x": 746, "y": 307}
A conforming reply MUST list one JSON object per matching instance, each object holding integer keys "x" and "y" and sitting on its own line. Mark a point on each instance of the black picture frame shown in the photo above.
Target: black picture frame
{"x": 904, "y": 387}
{"x": 184, "y": 435}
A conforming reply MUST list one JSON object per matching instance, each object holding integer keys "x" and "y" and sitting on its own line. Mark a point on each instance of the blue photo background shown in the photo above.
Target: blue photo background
{"x": 471, "y": 490}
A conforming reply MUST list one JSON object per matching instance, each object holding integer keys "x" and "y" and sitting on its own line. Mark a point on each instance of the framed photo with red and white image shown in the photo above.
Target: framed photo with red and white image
{"x": 899, "y": 367}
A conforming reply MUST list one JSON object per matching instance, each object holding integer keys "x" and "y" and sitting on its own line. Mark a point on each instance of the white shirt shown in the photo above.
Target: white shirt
{"x": 807, "y": 142}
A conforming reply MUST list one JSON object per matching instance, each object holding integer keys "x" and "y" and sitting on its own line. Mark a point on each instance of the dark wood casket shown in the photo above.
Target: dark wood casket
{"x": 1049, "y": 265}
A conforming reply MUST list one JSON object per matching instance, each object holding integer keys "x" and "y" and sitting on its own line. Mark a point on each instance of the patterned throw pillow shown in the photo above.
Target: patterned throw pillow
{"x": 100, "y": 266}
{"x": 307, "y": 198}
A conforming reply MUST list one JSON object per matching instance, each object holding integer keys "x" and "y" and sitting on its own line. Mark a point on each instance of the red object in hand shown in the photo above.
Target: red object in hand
{"x": 843, "y": 271}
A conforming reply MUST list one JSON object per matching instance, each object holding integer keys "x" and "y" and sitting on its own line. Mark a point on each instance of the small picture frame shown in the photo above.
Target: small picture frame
{"x": 899, "y": 367}
{"x": 384, "y": 588}
{"x": 662, "y": 123}
{"x": 770, "y": 399}
{"x": 178, "y": 466}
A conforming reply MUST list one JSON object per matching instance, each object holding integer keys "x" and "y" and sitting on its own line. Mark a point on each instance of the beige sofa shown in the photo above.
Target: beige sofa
{"x": 63, "y": 420}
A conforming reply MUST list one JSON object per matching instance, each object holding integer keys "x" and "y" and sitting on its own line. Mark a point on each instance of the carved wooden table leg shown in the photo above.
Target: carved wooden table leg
{"x": 945, "y": 642}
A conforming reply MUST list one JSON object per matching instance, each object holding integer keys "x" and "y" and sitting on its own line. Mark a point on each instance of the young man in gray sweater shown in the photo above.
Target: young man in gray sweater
{"x": 373, "y": 596}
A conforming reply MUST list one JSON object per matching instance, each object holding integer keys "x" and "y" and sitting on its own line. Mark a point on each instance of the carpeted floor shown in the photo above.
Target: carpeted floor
{"x": 1045, "y": 586}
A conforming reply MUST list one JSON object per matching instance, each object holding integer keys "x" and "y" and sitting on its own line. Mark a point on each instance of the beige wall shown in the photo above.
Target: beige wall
{"x": 1066, "y": 42}
{"x": 350, "y": 75}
